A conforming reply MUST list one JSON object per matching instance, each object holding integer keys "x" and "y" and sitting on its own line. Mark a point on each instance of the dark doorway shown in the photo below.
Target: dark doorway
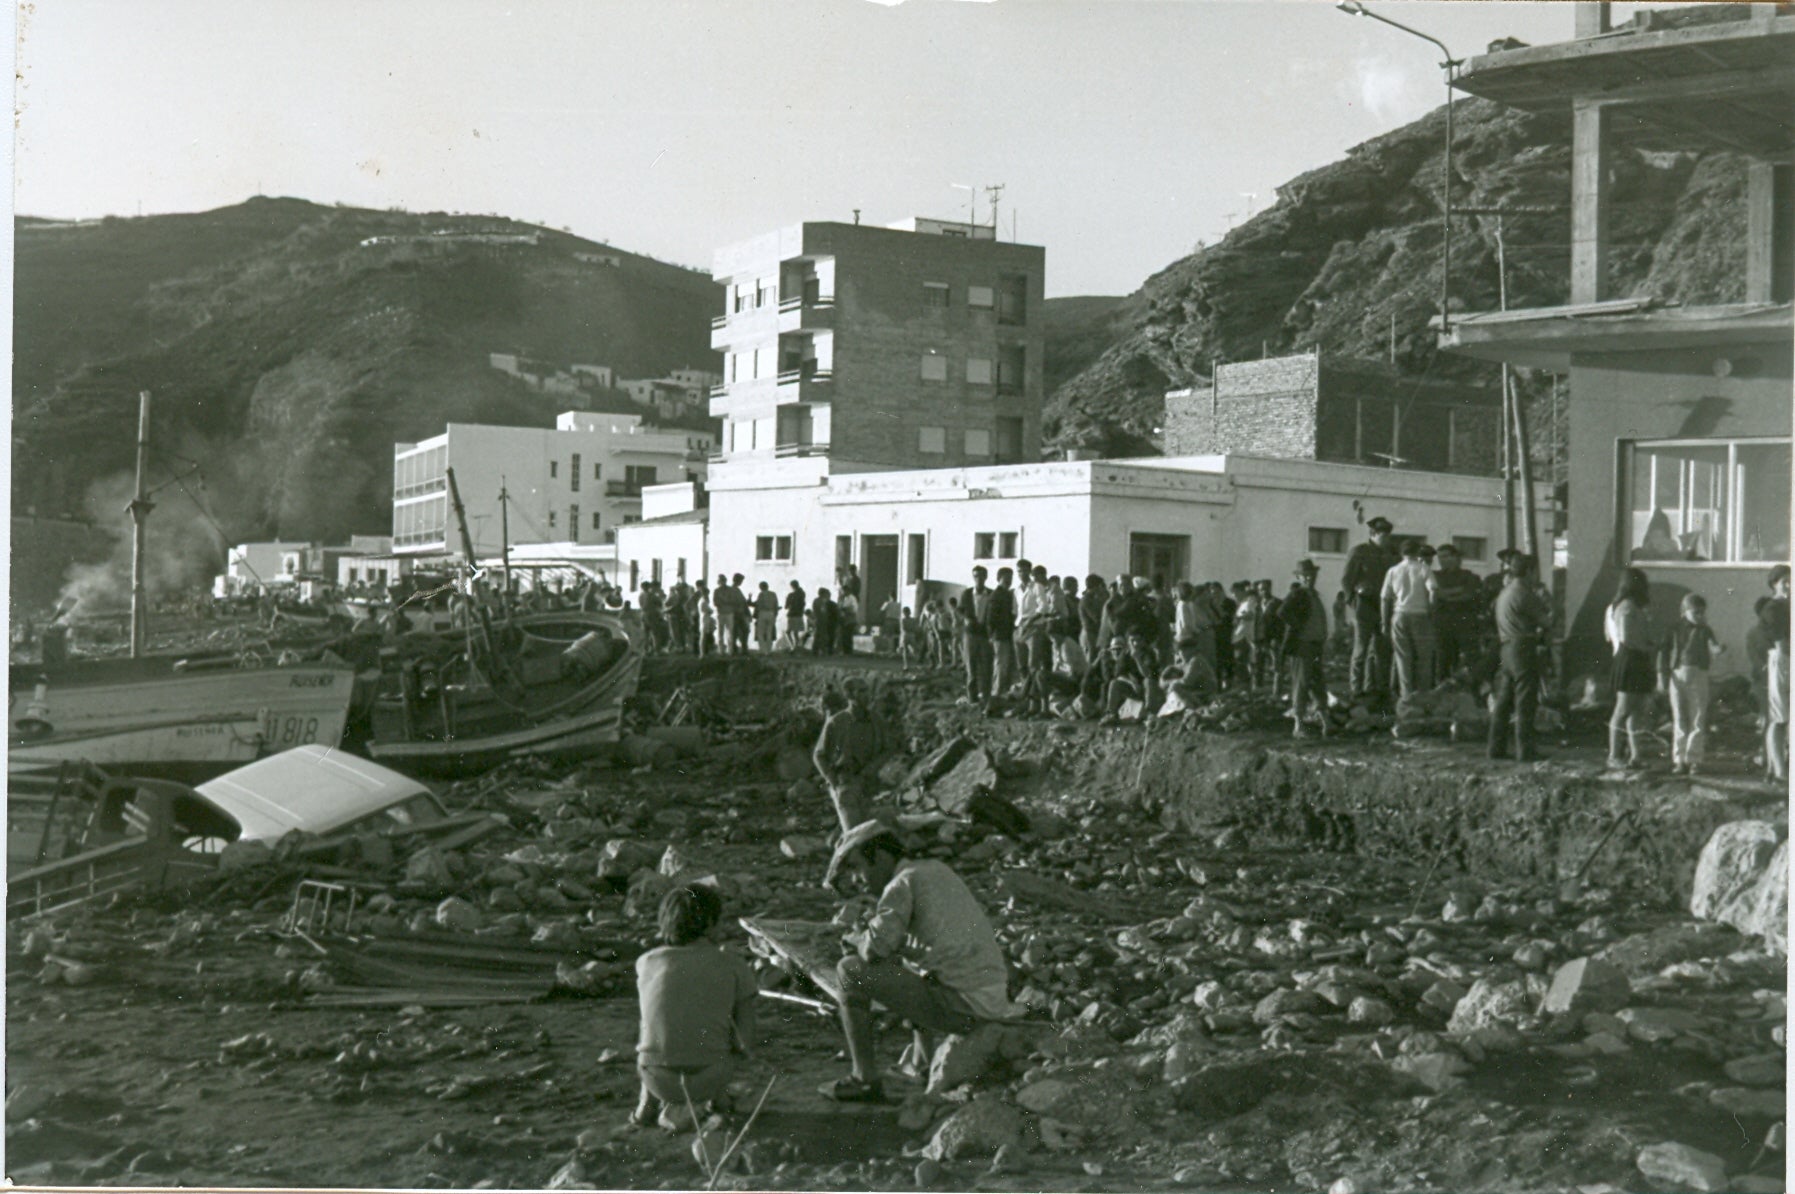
{"x": 878, "y": 575}
{"x": 1163, "y": 556}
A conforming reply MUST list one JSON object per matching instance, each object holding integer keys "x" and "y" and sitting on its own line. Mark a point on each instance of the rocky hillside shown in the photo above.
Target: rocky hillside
{"x": 1352, "y": 250}
{"x": 289, "y": 345}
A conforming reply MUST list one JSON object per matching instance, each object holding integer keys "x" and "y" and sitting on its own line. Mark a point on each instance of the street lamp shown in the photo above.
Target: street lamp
{"x": 1451, "y": 65}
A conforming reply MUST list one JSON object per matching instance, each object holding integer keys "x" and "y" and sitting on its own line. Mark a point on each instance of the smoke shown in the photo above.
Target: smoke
{"x": 182, "y": 549}
{"x": 1390, "y": 92}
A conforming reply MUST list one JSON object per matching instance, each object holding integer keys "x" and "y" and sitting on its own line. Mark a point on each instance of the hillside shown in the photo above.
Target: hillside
{"x": 289, "y": 345}
{"x": 1351, "y": 253}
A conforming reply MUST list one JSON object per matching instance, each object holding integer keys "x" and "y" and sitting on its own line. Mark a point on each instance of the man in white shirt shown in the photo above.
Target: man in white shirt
{"x": 928, "y": 953}
{"x": 1408, "y": 619}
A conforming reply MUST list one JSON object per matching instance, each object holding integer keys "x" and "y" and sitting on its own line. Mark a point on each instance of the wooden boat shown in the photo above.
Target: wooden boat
{"x": 536, "y": 685}
{"x": 159, "y": 715}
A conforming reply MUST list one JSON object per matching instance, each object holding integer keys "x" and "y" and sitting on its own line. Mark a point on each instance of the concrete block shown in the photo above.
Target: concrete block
{"x": 1586, "y": 985}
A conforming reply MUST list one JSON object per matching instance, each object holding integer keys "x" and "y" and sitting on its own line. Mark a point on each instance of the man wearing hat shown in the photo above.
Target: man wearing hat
{"x": 1303, "y": 621}
{"x": 1408, "y": 619}
{"x": 975, "y": 608}
{"x": 1363, "y": 583}
{"x": 1522, "y": 620}
{"x": 1457, "y": 597}
{"x": 928, "y": 953}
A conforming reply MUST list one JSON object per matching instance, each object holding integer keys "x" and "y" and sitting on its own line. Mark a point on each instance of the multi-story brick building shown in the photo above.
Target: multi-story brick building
{"x": 1336, "y": 408}
{"x": 574, "y": 483}
{"x": 859, "y": 348}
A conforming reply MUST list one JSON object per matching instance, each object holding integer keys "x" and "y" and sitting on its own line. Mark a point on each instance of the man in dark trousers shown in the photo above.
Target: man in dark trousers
{"x": 1303, "y": 621}
{"x": 1364, "y": 587}
{"x": 975, "y": 632}
{"x": 1458, "y": 603}
{"x": 1522, "y": 620}
{"x": 822, "y": 624}
{"x": 1000, "y": 625}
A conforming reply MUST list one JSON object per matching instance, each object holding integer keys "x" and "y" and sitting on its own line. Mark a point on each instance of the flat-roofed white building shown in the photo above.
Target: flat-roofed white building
{"x": 574, "y": 484}
{"x": 1197, "y": 518}
{"x": 668, "y": 545}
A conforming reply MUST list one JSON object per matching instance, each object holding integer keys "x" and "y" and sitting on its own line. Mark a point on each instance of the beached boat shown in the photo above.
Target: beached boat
{"x": 172, "y": 717}
{"x": 534, "y": 685}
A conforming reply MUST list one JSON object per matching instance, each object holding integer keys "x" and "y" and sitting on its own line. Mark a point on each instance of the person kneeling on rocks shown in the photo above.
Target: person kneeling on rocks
{"x": 928, "y": 953}
{"x": 697, "y": 1004}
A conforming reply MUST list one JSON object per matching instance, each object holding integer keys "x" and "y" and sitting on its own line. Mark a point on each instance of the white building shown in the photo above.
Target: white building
{"x": 1197, "y": 518}
{"x": 668, "y": 545}
{"x": 250, "y": 564}
{"x": 574, "y": 484}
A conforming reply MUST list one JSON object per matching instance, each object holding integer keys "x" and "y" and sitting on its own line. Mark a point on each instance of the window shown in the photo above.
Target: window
{"x": 551, "y": 520}
{"x": 598, "y": 472}
{"x": 654, "y": 570}
{"x": 978, "y": 443}
{"x": 984, "y": 546}
{"x": 573, "y": 473}
{"x": 554, "y": 469}
{"x": 573, "y": 523}
{"x": 844, "y": 553}
{"x": 980, "y": 296}
{"x": 934, "y": 367}
{"x": 764, "y": 294}
{"x": 635, "y": 575}
{"x": 1012, "y": 299}
{"x": 635, "y": 476}
{"x": 1008, "y": 545}
{"x": 1472, "y": 548}
{"x": 1012, "y": 363}
{"x": 596, "y": 520}
{"x": 1330, "y": 541}
{"x": 1009, "y": 439}
{"x": 773, "y": 548}
{"x": 934, "y": 294}
{"x": 913, "y": 564}
{"x": 629, "y": 518}
{"x": 978, "y": 371}
{"x": 931, "y": 439}
{"x": 1706, "y": 501}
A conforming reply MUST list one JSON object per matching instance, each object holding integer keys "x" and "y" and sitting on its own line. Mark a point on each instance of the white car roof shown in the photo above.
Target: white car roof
{"x": 314, "y": 788}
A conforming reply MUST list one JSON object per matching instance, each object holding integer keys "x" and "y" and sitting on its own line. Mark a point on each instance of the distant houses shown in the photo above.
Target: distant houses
{"x": 682, "y": 394}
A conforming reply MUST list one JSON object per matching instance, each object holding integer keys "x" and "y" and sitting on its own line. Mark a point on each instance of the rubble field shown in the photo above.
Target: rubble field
{"x": 1366, "y": 963}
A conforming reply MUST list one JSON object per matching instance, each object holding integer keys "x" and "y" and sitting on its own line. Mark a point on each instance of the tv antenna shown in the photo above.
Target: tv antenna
{"x": 972, "y": 198}
{"x": 993, "y": 191}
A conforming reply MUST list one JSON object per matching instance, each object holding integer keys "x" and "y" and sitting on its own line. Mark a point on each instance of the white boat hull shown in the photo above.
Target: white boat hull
{"x": 204, "y": 719}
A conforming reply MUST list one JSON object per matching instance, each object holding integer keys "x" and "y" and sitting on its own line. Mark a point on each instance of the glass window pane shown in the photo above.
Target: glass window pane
{"x": 1763, "y": 498}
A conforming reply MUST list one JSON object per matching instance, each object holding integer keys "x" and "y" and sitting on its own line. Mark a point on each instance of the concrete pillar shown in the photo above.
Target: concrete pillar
{"x": 1589, "y": 201}
{"x": 1770, "y": 233}
{"x": 1592, "y": 19}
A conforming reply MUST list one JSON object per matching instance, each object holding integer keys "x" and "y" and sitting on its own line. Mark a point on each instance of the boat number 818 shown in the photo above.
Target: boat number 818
{"x": 290, "y": 731}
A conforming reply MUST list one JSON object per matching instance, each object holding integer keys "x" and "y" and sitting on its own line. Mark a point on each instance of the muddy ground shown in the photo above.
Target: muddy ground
{"x": 1241, "y": 982}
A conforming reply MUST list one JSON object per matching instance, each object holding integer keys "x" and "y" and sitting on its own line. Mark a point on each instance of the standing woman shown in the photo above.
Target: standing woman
{"x": 1629, "y": 631}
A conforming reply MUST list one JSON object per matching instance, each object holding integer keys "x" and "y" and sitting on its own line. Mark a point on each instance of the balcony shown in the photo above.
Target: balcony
{"x": 787, "y": 450}
{"x": 627, "y": 490}
{"x": 807, "y": 313}
{"x": 803, "y": 385}
{"x": 718, "y": 321}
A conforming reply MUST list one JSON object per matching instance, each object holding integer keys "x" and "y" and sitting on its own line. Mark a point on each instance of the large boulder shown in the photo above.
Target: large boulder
{"x": 1492, "y": 1003}
{"x": 1768, "y": 916}
{"x": 1586, "y": 985}
{"x": 1727, "y": 874}
{"x": 978, "y": 1129}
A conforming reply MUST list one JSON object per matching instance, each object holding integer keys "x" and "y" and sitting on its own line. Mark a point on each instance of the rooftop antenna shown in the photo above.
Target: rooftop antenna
{"x": 1251, "y": 197}
{"x": 856, "y": 215}
{"x": 972, "y": 198}
{"x": 993, "y": 191}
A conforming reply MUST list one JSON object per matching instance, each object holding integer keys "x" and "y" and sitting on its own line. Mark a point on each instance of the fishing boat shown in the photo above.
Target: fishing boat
{"x": 161, "y": 715}
{"x": 548, "y": 685}
{"x": 157, "y": 715}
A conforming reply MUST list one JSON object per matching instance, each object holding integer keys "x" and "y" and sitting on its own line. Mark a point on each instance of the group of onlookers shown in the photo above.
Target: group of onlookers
{"x": 1676, "y": 661}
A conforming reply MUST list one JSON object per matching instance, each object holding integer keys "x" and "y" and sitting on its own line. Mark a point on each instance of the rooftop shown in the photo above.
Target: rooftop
{"x": 1668, "y": 81}
{"x": 1545, "y": 337}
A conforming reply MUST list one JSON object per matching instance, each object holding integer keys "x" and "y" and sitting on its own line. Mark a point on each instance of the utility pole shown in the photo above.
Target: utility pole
{"x": 140, "y": 508}
{"x": 505, "y": 541}
{"x": 993, "y": 192}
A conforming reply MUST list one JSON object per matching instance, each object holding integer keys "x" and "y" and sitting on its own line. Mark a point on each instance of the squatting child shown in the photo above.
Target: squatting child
{"x": 1683, "y": 663}
{"x": 697, "y": 1011}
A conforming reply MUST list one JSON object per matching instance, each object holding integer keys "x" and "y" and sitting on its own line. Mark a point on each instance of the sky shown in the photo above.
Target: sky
{"x": 1123, "y": 132}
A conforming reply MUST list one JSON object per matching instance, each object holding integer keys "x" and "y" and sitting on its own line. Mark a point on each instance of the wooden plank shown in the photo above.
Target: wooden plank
{"x": 1589, "y": 202}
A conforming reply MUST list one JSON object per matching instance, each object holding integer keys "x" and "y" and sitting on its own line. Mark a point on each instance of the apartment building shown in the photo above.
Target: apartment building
{"x": 850, "y": 347}
{"x": 1679, "y": 403}
{"x": 575, "y": 483}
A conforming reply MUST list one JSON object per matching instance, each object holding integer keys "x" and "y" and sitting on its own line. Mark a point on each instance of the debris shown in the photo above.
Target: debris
{"x": 1678, "y": 1164}
{"x": 1436, "y": 1071}
{"x": 458, "y": 915}
{"x": 1583, "y": 985}
{"x": 1492, "y": 1002}
{"x": 979, "y": 1129}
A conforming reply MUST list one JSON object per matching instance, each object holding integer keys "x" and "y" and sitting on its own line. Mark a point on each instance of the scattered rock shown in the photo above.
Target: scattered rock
{"x": 928, "y": 1173}
{"x": 1436, "y": 1071}
{"x": 1491, "y": 1003}
{"x": 1370, "y": 1011}
{"x": 959, "y": 1059}
{"x": 1654, "y": 1024}
{"x": 571, "y": 1176}
{"x": 1585, "y": 985}
{"x": 1760, "y": 1069}
{"x": 978, "y": 1129}
{"x": 1678, "y": 1164}
{"x": 458, "y": 915}
{"x": 1747, "y": 1103}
